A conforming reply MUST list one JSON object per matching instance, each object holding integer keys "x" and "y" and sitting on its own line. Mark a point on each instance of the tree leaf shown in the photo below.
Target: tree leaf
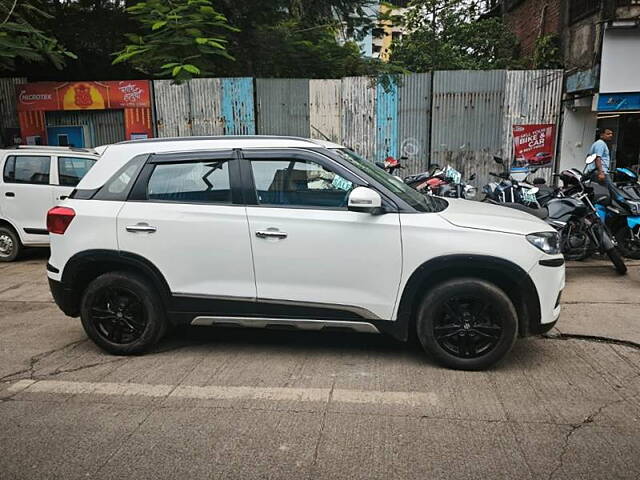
{"x": 158, "y": 25}
{"x": 191, "y": 69}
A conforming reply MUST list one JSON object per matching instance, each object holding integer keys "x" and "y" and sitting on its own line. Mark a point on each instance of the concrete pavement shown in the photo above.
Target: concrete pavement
{"x": 227, "y": 403}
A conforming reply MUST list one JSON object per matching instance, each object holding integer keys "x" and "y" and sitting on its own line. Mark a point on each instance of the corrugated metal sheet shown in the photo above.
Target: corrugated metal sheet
{"x": 386, "y": 120}
{"x": 8, "y": 100}
{"x": 237, "y": 106}
{"x": 467, "y": 120}
{"x": 283, "y": 106}
{"x": 101, "y": 126}
{"x": 191, "y": 108}
{"x": 325, "y": 103}
{"x": 205, "y": 112}
{"x": 531, "y": 96}
{"x": 414, "y": 114}
{"x": 173, "y": 109}
{"x": 359, "y": 115}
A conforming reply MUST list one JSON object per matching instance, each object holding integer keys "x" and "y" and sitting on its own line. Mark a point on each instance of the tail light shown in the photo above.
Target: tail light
{"x": 59, "y": 218}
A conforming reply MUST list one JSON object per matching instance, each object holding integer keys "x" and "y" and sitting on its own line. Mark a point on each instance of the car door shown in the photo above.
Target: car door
{"x": 67, "y": 172}
{"x": 185, "y": 217}
{"x": 309, "y": 249}
{"x": 26, "y": 194}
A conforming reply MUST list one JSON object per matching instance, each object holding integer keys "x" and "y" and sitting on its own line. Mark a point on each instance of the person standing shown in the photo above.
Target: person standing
{"x": 600, "y": 148}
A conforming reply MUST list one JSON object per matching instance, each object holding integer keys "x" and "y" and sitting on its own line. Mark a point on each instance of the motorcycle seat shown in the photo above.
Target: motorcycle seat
{"x": 541, "y": 213}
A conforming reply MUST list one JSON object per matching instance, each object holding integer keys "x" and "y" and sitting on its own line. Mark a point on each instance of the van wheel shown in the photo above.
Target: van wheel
{"x": 467, "y": 324}
{"x": 122, "y": 313}
{"x": 10, "y": 246}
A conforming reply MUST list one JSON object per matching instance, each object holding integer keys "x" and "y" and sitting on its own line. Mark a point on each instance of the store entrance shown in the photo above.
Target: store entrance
{"x": 628, "y": 151}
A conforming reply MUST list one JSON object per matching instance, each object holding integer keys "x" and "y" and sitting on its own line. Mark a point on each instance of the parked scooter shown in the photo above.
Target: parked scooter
{"x": 620, "y": 211}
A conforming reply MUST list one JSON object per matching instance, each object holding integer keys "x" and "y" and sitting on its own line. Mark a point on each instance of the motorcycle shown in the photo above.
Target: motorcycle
{"x": 620, "y": 211}
{"x": 512, "y": 187}
{"x": 577, "y": 220}
{"x": 443, "y": 182}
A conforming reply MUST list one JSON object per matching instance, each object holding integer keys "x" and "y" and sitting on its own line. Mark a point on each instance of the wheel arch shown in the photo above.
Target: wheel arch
{"x": 88, "y": 265}
{"x": 506, "y": 275}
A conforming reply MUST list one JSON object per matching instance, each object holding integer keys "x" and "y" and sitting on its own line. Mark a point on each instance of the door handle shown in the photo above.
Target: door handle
{"x": 141, "y": 228}
{"x": 9, "y": 194}
{"x": 270, "y": 234}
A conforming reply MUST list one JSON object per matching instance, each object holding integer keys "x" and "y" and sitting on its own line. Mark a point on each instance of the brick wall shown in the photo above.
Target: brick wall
{"x": 530, "y": 19}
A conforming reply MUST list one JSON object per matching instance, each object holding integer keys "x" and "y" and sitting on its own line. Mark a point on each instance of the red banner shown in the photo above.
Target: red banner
{"x": 48, "y": 96}
{"x": 534, "y": 145}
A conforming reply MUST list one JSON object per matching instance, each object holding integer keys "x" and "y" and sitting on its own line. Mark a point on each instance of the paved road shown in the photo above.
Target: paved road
{"x": 225, "y": 403}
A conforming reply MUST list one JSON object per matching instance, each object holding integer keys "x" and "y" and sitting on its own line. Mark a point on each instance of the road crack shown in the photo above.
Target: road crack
{"x": 321, "y": 432}
{"x": 592, "y": 338}
{"x": 573, "y": 428}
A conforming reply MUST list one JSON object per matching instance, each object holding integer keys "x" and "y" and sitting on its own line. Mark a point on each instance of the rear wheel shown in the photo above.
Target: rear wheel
{"x": 616, "y": 259}
{"x": 629, "y": 241}
{"x": 122, "y": 313}
{"x": 10, "y": 246}
{"x": 467, "y": 324}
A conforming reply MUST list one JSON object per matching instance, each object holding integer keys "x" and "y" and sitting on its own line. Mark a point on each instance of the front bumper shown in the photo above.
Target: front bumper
{"x": 549, "y": 282}
{"x": 64, "y": 297}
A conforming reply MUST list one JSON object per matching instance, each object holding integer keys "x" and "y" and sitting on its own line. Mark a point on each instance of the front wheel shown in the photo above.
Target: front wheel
{"x": 616, "y": 259}
{"x": 467, "y": 324}
{"x": 629, "y": 241}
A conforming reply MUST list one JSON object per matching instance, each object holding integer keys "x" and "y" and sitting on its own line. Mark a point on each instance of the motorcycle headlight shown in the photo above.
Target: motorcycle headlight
{"x": 470, "y": 192}
{"x": 548, "y": 242}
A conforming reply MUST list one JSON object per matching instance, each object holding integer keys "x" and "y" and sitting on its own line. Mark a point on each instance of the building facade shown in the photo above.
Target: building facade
{"x": 599, "y": 42}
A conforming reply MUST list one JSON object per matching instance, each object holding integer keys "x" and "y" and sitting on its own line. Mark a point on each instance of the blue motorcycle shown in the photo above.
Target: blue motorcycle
{"x": 621, "y": 212}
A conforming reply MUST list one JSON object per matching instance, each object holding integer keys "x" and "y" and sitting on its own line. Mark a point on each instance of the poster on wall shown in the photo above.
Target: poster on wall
{"x": 534, "y": 145}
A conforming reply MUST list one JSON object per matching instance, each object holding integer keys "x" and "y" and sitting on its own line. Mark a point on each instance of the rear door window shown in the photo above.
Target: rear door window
{"x": 31, "y": 169}
{"x": 205, "y": 181}
{"x": 72, "y": 169}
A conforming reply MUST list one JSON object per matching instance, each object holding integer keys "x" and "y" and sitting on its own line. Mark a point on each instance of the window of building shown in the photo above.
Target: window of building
{"x": 579, "y": 9}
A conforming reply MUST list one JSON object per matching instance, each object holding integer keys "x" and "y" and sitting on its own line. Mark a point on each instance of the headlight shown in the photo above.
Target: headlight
{"x": 548, "y": 242}
{"x": 470, "y": 192}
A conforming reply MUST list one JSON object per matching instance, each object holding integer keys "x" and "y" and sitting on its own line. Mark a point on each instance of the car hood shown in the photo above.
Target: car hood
{"x": 485, "y": 216}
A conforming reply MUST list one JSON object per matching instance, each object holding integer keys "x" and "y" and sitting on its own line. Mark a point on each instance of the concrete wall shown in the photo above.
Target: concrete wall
{"x": 578, "y": 133}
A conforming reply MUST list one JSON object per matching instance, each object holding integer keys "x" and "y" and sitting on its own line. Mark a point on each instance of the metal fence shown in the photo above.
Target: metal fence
{"x": 8, "y": 101}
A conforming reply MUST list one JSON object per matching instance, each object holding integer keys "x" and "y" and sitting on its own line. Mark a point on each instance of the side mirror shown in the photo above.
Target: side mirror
{"x": 590, "y": 158}
{"x": 472, "y": 177}
{"x": 365, "y": 200}
{"x": 498, "y": 160}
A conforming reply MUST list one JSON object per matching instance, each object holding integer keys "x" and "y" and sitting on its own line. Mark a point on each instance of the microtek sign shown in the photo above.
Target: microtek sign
{"x": 48, "y": 96}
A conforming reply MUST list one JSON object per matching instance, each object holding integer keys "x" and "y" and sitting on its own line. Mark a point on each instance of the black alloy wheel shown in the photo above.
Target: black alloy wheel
{"x": 467, "y": 327}
{"x": 467, "y": 323}
{"x": 123, "y": 313}
{"x": 118, "y": 315}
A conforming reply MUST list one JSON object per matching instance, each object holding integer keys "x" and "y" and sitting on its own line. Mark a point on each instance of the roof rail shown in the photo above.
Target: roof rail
{"x": 47, "y": 147}
{"x": 213, "y": 137}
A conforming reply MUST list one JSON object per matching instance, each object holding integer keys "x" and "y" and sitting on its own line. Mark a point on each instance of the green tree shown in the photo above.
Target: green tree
{"x": 453, "y": 35}
{"x": 179, "y": 38}
{"x": 20, "y": 40}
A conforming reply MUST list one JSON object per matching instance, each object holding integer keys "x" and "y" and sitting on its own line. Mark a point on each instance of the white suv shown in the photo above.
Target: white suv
{"x": 278, "y": 231}
{"x": 33, "y": 179}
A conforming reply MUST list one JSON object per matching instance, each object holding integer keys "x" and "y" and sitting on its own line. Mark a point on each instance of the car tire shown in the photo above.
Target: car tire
{"x": 467, "y": 324}
{"x": 122, "y": 313}
{"x": 10, "y": 245}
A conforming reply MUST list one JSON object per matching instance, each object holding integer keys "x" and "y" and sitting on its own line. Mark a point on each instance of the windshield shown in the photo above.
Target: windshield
{"x": 420, "y": 202}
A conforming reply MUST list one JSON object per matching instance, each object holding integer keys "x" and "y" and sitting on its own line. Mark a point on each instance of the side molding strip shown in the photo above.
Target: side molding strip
{"x": 301, "y": 324}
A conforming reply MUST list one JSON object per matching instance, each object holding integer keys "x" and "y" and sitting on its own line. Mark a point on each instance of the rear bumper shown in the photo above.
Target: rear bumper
{"x": 64, "y": 298}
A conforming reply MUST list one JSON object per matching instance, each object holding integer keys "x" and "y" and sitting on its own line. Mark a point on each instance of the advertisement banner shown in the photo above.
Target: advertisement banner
{"x": 49, "y": 96}
{"x": 534, "y": 145}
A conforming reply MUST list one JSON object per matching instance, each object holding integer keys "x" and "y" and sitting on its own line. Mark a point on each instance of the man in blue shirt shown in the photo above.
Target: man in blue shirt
{"x": 603, "y": 160}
